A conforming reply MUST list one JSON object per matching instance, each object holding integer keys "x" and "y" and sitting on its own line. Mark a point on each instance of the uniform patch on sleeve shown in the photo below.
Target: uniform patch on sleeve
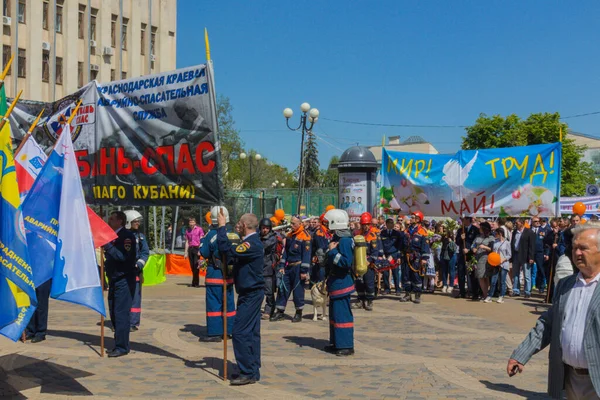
{"x": 213, "y": 239}
{"x": 127, "y": 244}
{"x": 242, "y": 248}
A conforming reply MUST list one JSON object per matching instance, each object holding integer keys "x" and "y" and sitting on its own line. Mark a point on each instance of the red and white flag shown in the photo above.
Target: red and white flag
{"x": 29, "y": 162}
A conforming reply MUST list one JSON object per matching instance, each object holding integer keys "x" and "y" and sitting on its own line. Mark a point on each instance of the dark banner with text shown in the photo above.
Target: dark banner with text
{"x": 150, "y": 140}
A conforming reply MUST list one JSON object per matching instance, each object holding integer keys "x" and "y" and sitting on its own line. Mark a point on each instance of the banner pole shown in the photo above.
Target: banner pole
{"x": 102, "y": 286}
{"x": 29, "y": 132}
{"x": 224, "y": 263}
{"x": 5, "y": 72}
{"x": 10, "y": 110}
{"x": 207, "y": 44}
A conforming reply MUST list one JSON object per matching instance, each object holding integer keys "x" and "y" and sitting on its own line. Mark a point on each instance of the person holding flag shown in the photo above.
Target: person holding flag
{"x": 134, "y": 219}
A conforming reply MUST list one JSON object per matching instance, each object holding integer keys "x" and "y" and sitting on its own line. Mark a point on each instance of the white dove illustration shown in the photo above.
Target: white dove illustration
{"x": 455, "y": 177}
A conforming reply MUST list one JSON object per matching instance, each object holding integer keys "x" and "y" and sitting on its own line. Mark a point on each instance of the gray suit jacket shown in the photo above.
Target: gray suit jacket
{"x": 547, "y": 331}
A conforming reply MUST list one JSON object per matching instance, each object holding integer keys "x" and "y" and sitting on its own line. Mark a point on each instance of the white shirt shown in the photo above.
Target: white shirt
{"x": 573, "y": 324}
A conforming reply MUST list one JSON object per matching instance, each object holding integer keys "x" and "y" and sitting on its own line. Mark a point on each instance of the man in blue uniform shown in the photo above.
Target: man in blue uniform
{"x": 293, "y": 267}
{"x": 38, "y": 324}
{"x": 249, "y": 282}
{"x": 121, "y": 259}
{"x": 320, "y": 246}
{"x": 214, "y": 283}
{"x": 269, "y": 242}
{"x": 134, "y": 219}
{"x": 417, "y": 256}
{"x": 365, "y": 285}
{"x": 340, "y": 257}
{"x": 394, "y": 243}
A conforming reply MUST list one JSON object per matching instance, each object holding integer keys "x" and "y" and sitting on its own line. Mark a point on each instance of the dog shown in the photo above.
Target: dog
{"x": 320, "y": 298}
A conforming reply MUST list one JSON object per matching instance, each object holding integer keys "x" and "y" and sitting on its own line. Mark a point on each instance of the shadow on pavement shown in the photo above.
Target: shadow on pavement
{"x": 210, "y": 364}
{"x": 195, "y": 329}
{"x": 506, "y": 388}
{"x": 18, "y": 373}
{"x": 302, "y": 341}
{"x": 94, "y": 340}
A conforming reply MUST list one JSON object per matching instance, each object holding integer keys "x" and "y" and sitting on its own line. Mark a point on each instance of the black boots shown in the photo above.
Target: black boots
{"x": 298, "y": 316}
{"x": 417, "y": 299}
{"x": 368, "y": 305}
{"x": 358, "y": 305}
{"x": 278, "y": 316}
{"x": 406, "y": 298}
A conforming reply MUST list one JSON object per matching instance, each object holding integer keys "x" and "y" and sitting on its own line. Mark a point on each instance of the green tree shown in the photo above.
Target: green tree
{"x": 312, "y": 172}
{"x": 497, "y": 131}
{"x": 231, "y": 143}
{"x": 330, "y": 176}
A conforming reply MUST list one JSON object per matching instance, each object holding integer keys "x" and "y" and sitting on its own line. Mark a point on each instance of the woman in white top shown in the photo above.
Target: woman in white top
{"x": 502, "y": 247}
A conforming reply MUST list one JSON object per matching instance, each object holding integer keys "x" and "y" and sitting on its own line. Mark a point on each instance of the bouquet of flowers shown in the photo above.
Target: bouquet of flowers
{"x": 471, "y": 264}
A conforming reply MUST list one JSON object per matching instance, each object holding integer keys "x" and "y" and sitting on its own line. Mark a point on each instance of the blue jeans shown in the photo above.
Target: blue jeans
{"x": 449, "y": 271}
{"x": 517, "y": 282}
{"x": 502, "y": 274}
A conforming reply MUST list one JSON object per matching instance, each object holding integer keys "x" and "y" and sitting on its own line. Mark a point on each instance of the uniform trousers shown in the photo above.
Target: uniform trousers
{"x": 38, "y": 324}
{"x": 136, "y": 306}
{"x": 341, "y": 323}
{"x": 270, "y": 285}
{"x": 411, "y": 279}
{"x": 365, "y": 285}
{"x": 120, "y": 297}
{"x": 246, "y": 333}
{"x": 291, "y": 284}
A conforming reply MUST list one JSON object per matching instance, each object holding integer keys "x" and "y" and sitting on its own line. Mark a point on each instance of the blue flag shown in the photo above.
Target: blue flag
{"x": 17, "y": 290}
{"x": 64, "y": 222}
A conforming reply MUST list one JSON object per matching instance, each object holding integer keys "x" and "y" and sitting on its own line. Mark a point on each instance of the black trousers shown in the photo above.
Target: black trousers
{"x": 193, "y": 258}
{"x": 462, "y": 274}
{"x": 38, "y": 324}
{"x": 270, "y": 284}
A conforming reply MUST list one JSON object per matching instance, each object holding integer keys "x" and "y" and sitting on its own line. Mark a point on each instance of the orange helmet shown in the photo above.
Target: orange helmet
{"x": 274, "y": 221}
{"x": 366, "y": 218}
{"x": 419, "y": 215}
{"x": 207, "y": 218}
{"x": 279, "y": 214}
{"x": 329, "y": 207}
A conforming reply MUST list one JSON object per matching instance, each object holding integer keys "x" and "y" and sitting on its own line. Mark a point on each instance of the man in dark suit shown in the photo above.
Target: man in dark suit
{"x": 571, "y": 325}
{"x": 538, "y": 273}
{"x": 464, "y": 239}
{"x": 523, "y": 257}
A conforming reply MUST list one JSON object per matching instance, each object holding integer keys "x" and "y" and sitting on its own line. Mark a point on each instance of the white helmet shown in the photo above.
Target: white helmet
{"x": 132, "y": 215}
{"x": 214, "y": 211}
{"x": 338, "y": 219}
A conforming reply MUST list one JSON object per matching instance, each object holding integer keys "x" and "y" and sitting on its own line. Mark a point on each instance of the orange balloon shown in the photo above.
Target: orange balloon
{"x": 279, "y": 214}
{"x": 494, "y": 259}
{"x": 274, "y": 221}
{"x": 526, "y": 224}
{"x": 583, "y": 221}
{"x": 329, "y": 207}
{"x": 207, "y": 218}
{"x": 579, "y": 208}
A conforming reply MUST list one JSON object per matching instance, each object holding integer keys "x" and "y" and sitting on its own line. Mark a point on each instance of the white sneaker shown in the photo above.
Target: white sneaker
{"x": 488, "y": 300}
{"x": 500, "y": 300}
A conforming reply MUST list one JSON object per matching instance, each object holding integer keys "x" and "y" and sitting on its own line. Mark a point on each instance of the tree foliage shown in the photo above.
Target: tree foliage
{"x": 312, "y": 171}
{"x": 330, "y": 176}
{"x": 541, "y": 128}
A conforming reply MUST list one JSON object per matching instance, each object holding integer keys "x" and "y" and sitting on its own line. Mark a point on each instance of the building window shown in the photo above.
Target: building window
{"x": 45, "y": 12}
{"x": 80, "y": 74}
{"x": 93, "y": 24}
{"x": 5, "y": 57}
{"x": 153, "y": 40}
{"x": 80, "y": 20}
{"x": 59, "y": 71}
{"x": 124, "y": 33}
{"x": 59, "y": 17}
{"x": 124, "y": 75}
{"x": 112, "y": 75}
{"x": 22, "y": 63}
{"x": 6, "y": 8}
{"x": 143, "y": 40}
{"x": 93, "y": 75}
{"x": 21, "y": 11}
{"x": 45, "y": 66}
{"x": 113, "y": 31}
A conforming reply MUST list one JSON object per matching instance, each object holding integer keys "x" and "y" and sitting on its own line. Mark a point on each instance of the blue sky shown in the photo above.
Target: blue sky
{"x": 393, "y": 62}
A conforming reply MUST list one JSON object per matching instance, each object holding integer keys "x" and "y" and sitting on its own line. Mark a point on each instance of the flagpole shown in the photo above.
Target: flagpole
{"x": 5, "y": 72}
{"x": 10, "y": 109}
{"x": 29, "y": 132}
{"x": 102, "y": 286}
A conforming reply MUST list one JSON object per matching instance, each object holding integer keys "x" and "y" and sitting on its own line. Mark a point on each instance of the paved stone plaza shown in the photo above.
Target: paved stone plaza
{"x": 442, "y": 349}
